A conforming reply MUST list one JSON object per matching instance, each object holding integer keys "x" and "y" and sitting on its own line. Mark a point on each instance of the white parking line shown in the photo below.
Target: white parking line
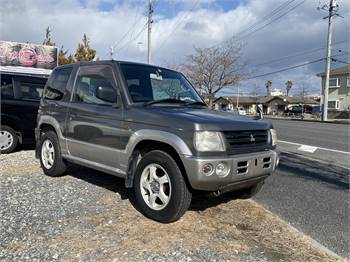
{"x": 321, "y": 148}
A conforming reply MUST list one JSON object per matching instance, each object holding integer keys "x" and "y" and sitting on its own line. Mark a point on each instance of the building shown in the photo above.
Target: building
{"x": 230, "y": 103}
{"x": 274, "y": 105}
{"x": 276, "y": 92}
{"x": 339, "y": 90}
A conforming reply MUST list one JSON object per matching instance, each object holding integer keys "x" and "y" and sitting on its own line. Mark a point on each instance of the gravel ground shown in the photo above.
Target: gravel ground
{"x": 89, "y": 216}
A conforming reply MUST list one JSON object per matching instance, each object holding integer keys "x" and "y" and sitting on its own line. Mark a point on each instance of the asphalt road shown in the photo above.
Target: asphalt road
{"x": 326, "y": 135}
{"x": 311, "y": 190}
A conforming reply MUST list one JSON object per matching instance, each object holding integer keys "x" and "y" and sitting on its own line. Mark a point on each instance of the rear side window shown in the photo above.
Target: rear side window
{"x": 22, "y": 87}
{"x": 57, "y": 83}
{"x": 6, "y": 87}
{"x": 25, "y": 89}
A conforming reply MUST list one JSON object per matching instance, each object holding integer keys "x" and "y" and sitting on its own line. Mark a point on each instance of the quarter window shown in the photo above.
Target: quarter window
{"x": 57, "y": 83}
{"x": 89, "y": 79}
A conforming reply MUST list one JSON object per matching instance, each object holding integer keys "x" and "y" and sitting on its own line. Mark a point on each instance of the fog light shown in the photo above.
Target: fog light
{"x": 208, "y": 169}
{"x": 222, "y": 169}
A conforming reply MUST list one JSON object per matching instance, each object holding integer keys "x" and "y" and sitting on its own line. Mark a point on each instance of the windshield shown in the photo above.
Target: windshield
{"x": 148, "y": 83}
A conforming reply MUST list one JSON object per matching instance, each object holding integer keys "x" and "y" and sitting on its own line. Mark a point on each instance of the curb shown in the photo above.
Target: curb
{"x": 312, "y": 241}
{"x": 342, "y": 122}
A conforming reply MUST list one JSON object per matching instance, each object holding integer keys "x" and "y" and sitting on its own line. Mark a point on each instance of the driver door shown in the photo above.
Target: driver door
{"x": 95, "y": 131}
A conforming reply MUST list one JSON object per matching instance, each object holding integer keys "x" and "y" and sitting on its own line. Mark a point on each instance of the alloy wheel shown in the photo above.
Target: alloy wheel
{"x": 47, "y": 154}
{"x": 6, "y": 139}
{"x": 155, "y": 186}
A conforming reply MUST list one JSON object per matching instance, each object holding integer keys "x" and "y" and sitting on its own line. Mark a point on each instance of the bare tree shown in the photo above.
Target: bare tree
{"x": 212, "y": 69}
{"x": 303, "y": 92}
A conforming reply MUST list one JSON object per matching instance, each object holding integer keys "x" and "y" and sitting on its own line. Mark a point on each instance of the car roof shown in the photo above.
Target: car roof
{"x": 120, "y": 62}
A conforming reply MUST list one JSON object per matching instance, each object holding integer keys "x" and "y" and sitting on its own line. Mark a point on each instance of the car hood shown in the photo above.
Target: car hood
{"x": 196, "y": 118}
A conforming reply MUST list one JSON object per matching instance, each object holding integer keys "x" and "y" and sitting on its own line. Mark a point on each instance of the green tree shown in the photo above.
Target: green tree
{"x": 63, "y": 58}
{"x": 289, "y": 85}
{"x": 84, "y": 52}
{"x": 268, "y": 86}
{"x": 47, "y": 40}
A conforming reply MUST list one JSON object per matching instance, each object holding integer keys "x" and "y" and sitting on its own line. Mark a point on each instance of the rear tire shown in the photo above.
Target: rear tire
{"x": 8, "y": 140}
{"x": 160, "y": 189}
{"x": 50, "y": 155}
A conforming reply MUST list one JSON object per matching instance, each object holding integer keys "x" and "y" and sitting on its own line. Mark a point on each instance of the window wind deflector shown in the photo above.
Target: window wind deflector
{"x": 166, "y": 100}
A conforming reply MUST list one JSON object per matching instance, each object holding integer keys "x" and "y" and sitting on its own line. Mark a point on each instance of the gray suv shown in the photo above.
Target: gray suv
{"x": 147, "y": 124}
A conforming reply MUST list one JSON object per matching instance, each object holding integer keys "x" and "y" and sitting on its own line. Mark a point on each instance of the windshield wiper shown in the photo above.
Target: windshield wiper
{"x": 166, "y": 100}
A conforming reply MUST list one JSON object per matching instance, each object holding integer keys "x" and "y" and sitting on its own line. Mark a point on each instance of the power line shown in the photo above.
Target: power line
{"x": 277, "y": 18}
{"x": 245, "y": 33}
{"x": 300, "y": 65}
{"x": 285, "y": 69}
{"x": 339, "y": 61}
{"x": 297, "y": 54}
{"x": 134, "y": 38}
{"x": 268, "y": 16}
{"x": 182, "y": 18}
{"x": 131, "y": 28}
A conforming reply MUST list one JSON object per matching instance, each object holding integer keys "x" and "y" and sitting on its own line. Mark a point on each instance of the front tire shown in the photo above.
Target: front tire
{"x": 8, "y": 140}
{"x": 161, "y": 192}
{"x": 50, "y": 155}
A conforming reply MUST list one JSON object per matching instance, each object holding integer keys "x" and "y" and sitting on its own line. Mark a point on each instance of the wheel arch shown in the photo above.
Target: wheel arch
{"x": 48, "y": 123}
{"x": 13, "y": 122}
{"x": 146, "y": 145}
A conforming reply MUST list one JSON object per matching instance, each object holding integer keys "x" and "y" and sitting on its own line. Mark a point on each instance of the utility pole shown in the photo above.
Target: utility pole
{"x": 332, "y": 9}
{"x": 150, "y": 21}
{"x": 237, "y": 97}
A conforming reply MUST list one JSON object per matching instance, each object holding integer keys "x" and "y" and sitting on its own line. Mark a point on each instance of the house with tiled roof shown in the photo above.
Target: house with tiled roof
{"x": 270, "y": 104}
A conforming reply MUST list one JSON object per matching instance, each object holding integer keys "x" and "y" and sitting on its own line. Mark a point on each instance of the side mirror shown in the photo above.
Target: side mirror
{"x": 106, "y": 93}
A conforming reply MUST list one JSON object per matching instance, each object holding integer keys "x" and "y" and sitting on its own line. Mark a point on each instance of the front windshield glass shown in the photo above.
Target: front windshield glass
{"x": 148, "y": 83}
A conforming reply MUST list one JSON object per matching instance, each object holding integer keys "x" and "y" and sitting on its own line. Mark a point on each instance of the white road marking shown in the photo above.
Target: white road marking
{"x": 320, "y": 148}
{"x": 306, "y": 148}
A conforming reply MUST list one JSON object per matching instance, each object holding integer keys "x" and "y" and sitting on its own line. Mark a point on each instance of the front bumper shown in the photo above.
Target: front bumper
{"x": 244, "y": 167}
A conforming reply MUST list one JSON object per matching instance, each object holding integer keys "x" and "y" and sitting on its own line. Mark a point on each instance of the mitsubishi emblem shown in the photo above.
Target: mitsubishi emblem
{"x": 252, "y": 138}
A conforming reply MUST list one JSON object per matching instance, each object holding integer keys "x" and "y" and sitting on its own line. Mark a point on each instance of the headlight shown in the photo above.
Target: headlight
{"x": 205, "y": 141}
{"x": 273, "y": 137}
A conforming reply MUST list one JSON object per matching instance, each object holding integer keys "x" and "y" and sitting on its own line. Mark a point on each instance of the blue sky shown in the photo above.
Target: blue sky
{"x": 169, "y": 8}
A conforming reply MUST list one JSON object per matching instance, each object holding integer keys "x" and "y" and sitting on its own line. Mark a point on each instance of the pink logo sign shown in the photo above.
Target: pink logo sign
{"x": 27, "y": 57}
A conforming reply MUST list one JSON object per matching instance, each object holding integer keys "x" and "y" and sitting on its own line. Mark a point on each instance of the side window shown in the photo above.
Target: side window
{"x": 28, "y": 88}
{"x": 89, "y": 79}
{"x": 57, "y": 83}
{"x": 6, "y": 87}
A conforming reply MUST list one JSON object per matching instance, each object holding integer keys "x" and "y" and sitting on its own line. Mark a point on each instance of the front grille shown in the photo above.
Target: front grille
{"x": 249, "y": 138}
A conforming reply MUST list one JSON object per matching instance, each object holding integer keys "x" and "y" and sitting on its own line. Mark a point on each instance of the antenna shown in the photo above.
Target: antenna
{"x": 111, "y": 52}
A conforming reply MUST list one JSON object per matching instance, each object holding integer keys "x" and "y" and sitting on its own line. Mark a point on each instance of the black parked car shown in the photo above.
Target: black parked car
{"x": 20, "y": 96}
